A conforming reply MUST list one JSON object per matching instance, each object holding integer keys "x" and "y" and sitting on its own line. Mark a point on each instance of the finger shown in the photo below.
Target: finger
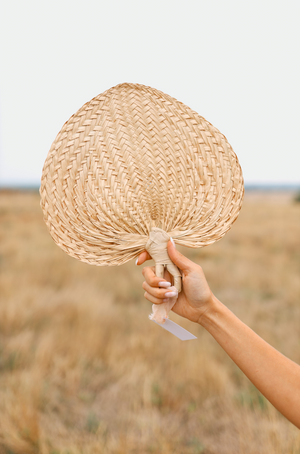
{"x": 160, "y": 293}
{"x": 152, "y": 280}
{"x": 142, "y": 258}
{"x": 154, "y": 300}
{"x": 179, "y": 259}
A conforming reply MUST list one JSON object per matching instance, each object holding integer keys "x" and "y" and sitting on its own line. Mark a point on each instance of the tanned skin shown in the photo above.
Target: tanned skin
{"x": 273, "y": 374}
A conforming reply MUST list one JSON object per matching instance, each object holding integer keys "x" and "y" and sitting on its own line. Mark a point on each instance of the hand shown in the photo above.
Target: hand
{"x": 194, "y": 299}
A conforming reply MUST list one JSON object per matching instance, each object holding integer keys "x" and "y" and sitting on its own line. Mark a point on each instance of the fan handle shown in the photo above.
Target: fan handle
{"x": 157, "y": 248}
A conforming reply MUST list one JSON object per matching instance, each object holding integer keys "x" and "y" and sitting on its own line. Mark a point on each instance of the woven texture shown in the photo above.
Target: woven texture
{"x": 130, "y": 159}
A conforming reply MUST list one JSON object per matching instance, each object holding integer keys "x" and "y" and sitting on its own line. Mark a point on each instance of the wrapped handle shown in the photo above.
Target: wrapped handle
{"x": 157, "y": 248}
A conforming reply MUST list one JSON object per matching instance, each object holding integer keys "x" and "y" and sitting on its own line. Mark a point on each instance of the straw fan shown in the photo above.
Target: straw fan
{"x": 131, "y": 168}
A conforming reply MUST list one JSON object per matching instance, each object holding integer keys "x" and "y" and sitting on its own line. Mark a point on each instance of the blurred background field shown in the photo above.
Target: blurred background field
{"x": 83, "y": 370}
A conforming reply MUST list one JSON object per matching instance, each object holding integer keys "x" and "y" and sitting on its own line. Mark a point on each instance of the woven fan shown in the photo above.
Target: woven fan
{"x": 133, "y": 167}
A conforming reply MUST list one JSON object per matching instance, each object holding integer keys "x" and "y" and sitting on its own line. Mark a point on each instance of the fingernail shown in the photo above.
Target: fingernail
{"x": 172, "y": 241}
{"x": 170, "y": 294}
{"x": 164, "y": 284}
{"x": 136, "y": 262}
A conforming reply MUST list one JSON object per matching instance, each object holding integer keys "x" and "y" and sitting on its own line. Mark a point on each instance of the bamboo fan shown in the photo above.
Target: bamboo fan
{"x": 131, "y": 168}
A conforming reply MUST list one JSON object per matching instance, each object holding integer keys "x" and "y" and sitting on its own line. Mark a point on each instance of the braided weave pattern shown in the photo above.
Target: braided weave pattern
{"x": 130, "y": 159}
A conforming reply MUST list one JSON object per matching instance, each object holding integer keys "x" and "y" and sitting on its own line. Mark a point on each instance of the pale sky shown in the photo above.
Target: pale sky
{"x": 234, "y": 62}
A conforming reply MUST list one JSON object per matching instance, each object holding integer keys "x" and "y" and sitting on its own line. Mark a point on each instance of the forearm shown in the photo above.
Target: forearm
{"x": 274, "y": 375}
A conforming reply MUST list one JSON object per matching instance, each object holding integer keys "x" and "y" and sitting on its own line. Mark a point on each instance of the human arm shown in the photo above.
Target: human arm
{"x": 274, "y": 375}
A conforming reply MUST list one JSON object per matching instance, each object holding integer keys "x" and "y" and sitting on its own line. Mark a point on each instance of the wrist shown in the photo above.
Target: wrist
{"x": 213, "y": 311}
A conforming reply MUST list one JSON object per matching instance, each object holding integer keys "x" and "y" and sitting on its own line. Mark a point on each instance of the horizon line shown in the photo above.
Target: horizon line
{"x": 248, "y": 186}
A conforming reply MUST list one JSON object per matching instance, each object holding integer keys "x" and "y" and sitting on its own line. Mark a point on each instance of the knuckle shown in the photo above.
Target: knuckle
{"x": 159, "y": 293}
{"x": 153, "y": 281}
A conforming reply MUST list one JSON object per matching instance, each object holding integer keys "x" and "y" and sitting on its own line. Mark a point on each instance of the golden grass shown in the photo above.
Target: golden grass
{"x": 83, "y": 370}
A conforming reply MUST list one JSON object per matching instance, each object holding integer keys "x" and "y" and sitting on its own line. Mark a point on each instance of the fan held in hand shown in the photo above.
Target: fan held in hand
{"x": 133, "y": 167}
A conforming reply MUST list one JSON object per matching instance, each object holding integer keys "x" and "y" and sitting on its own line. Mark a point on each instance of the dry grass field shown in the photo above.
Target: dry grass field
{"x": 83, "y": 370}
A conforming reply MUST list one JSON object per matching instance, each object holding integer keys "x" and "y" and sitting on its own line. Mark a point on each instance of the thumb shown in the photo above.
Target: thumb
{"x": 178, "y": 259}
